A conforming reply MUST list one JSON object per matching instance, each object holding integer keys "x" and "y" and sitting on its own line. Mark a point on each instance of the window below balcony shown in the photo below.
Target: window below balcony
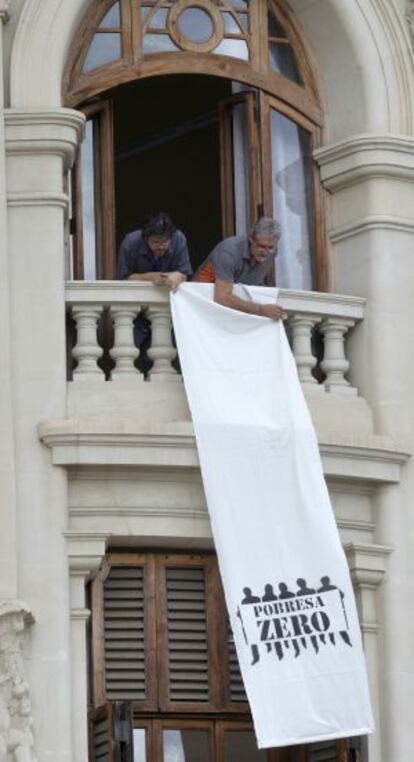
{"x": 166, "y": 685}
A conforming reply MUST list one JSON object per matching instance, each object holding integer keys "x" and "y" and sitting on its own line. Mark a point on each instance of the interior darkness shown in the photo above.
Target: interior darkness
{"x": 167, "y": 156}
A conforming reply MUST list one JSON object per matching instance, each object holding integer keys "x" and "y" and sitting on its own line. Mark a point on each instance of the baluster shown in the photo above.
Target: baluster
{"x": 334, "y": 362}
{"x": 124, "y": 351}
{"x": 161, "y": 350}
{"x": 302, "y": 327}
{"x": 87, "y": 350}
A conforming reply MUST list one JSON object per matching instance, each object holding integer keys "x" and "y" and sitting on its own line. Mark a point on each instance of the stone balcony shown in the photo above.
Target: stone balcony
{"x": 128, "y": 443}
{"x": 322, "y": 366}
{"x": 117, "y": 418}
{"x": 102, "y": 373}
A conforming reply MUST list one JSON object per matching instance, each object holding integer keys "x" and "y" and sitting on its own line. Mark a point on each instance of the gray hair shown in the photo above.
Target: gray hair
{"x": 266, "y": 226}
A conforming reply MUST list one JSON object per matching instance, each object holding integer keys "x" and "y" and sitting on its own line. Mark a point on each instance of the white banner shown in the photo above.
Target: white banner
{"x": 284, "y": 573}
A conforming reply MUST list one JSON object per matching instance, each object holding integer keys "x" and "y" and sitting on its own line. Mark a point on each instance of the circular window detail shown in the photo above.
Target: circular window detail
{"x": 195, "y": 25}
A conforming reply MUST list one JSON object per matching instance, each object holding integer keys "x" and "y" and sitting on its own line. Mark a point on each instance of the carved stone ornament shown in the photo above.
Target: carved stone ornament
{"x": 16, "y": 734}
{"x": 409, "y": 15}
{"x": 5, "y": 10}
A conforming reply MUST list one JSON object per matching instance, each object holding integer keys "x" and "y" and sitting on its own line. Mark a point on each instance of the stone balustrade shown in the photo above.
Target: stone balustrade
{"x": 103, "y": 312}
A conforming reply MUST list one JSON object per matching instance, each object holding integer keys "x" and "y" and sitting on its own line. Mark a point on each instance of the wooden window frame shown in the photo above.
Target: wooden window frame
{"x": 104, "y": 195}
{"x": 226, "y": 106}
{"x": 156, "y": 713}
{"x": 156, "y": 635}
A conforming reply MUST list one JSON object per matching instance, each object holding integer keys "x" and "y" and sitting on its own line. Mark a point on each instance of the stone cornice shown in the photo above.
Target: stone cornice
{"x": 362, "y": 157}
{"x": 367, "y": 563}
{"x": 44, "y": 132}
{"x": 74, "y": 443}
{"x": 85, "y": 551}
{"x": 372, "y": 222}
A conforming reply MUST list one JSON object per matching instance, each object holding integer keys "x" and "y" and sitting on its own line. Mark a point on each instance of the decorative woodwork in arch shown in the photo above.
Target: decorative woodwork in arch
{"x": 255, "y": 42}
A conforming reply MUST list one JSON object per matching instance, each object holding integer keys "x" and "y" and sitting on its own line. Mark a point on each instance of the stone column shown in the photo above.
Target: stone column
{"x": 8, "y": 551}
{"x": 40, "y": 148}
{"x": 86, "y": 551}
{"x": 370, "y": 179}
{"x": 367, "y": 564}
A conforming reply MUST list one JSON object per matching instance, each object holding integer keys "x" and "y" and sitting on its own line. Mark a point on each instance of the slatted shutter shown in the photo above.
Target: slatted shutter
{"x": 323, "y": 752}
{"x": 187, "y": 635}
{"x": 124, "y": 639}
{"x": 330, "y": 751}
{"x": 236, "y": 687}
{"x": 110, "y": 733}
{"x": 101, "y": 738}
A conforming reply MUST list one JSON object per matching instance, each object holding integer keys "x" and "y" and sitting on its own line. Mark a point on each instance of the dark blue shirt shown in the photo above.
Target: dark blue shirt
{"x": 136, "y": 257}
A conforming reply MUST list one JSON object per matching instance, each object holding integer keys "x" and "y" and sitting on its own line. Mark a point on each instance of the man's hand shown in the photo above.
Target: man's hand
{"x": 272, "y": 311}
{"x": 172, "y": 280}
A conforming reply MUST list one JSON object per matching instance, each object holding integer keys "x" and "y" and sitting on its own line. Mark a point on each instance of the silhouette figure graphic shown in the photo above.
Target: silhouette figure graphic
{"x": 269, "y": 594}
{"x": 303, "y": 588}
{"x": 249, "y": 597}
{"x": 326, "y": 585}
{"x": 284, "y": 592}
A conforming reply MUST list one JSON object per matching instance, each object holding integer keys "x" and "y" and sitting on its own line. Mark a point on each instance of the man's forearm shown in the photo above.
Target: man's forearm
{"x": 151, "y": 277}
{"x": 235, "y": 303}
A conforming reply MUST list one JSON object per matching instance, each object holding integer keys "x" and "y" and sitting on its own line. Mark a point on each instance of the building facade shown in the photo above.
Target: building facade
{"x": 111, "y": 612}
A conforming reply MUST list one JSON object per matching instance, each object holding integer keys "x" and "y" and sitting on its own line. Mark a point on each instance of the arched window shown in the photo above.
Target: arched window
{"x": 206, "y": 109}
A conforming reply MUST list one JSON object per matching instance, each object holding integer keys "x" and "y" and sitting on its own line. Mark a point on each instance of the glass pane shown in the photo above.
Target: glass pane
{"x": 88, "y": 204}
{"x": 195, "y": 24}
{"x": 292, "y": 201}
{"x": 275, "y": 29}
{"x": 158, "y": 43}
{"x": 140, "y": 754}
{"x": 159, "y": 19}
{"x": 230, "y": 25}
{"x": 241, "y": 746}
{"x": 234, "y": 48}
{"x": 244, "y": 19}
{"x": 186, "y": 746}
{"x": 281, "y": 59}
{"x": 104, "y": 48}
{"x": 238, "y": 3}
{"x": 144, "y": 12}
{"x": 112, "y": 18}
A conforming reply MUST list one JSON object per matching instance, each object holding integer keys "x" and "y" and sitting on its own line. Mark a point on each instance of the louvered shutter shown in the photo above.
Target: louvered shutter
{"x": 236, "y": 687}
{"x": 124, "y": 633}
{"x": 110, "y": 733}
{"x": 331, "y": 751}
{"x": 187, "y": 635}
{"x": 101, "y": 736}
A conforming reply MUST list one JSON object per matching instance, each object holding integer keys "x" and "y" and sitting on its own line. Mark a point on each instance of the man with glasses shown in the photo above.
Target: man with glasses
{"x": 243, "y": 259}
{"x": 157, "y": 253}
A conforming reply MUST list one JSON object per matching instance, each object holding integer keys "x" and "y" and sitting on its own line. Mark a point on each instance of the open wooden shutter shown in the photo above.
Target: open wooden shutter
{"x": 110, "y": 733}
{"x": 239, "y": 158}
{"x": 93, "y": 195}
